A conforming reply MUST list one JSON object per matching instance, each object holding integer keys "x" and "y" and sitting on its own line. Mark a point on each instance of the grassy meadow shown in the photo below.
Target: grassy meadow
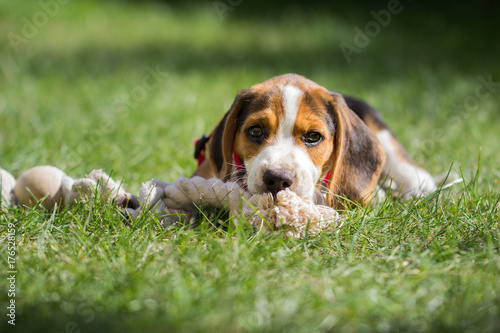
{"x": 127, "y": 86}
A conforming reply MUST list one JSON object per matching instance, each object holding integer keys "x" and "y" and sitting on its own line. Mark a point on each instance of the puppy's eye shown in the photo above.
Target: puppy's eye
{"x": 312, "y": 138}
{"x": 255, "y": 132}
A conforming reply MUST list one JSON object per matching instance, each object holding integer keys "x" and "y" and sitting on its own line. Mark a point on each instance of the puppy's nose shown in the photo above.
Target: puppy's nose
{"x": 278, "y": 180}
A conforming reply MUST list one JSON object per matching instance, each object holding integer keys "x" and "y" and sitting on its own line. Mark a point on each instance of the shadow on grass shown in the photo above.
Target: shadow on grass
{"x": 48, "y": 318}
{"x": 461, "y": 38}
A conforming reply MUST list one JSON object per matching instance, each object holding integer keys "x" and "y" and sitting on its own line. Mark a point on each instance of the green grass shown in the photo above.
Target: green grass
{"x": 430, "y": 264}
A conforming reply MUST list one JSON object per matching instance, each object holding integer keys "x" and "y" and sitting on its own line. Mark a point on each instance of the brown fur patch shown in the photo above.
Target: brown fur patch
{"x": 357, "y": 159}
{"x": 268, "y": 120}
{"x": 312, "y": 116}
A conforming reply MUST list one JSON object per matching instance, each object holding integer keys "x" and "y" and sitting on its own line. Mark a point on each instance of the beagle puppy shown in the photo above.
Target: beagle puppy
{"x": 289, "y": 132}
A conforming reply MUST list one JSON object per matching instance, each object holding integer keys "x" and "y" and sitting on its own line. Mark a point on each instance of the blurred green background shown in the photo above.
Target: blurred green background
{"x": 73, "y": 76}
{"x": 128, "y": 85}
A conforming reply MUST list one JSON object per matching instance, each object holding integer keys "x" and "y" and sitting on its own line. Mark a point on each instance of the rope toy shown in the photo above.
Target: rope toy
{"x": 290, "y": 213}
{"x": 53, "y": 189}
{"x": 7, "y": 183}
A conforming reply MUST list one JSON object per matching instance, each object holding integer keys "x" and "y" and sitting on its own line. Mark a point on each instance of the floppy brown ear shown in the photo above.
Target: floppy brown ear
{"x": 222, "y": 138}
{"x": 357, "y": 158}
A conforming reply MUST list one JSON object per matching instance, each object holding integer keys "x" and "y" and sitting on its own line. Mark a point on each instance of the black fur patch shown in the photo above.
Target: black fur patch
{"x": 216, "y": 143}
{"x": 364, "y": 111}
{"x": 251, "y": 105}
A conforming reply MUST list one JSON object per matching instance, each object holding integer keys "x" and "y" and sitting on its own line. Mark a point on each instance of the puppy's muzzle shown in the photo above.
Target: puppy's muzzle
{"x": 277, "y": 180}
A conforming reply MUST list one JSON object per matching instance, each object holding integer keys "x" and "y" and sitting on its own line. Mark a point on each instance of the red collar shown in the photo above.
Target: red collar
{"x": 200, "y": 147}
{"x": 237, "y": 162}
{"x": 326, "y": 180}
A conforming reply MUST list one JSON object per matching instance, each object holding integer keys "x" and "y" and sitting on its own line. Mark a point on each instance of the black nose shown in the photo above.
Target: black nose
{"x": 277, "y": 180}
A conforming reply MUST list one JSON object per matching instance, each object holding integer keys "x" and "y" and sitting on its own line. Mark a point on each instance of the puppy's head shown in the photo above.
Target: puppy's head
{"x": 289, "y": 132}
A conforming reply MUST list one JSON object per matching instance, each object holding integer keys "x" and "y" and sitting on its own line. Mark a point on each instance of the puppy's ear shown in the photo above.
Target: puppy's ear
{"x": 222, "y": 138}
{"x": 357, "y": 159}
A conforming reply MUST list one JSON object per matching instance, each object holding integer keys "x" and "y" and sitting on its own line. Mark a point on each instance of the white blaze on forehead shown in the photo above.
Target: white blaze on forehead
{"x": 284, "y": 153}
{"x": 290, "y": 98}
